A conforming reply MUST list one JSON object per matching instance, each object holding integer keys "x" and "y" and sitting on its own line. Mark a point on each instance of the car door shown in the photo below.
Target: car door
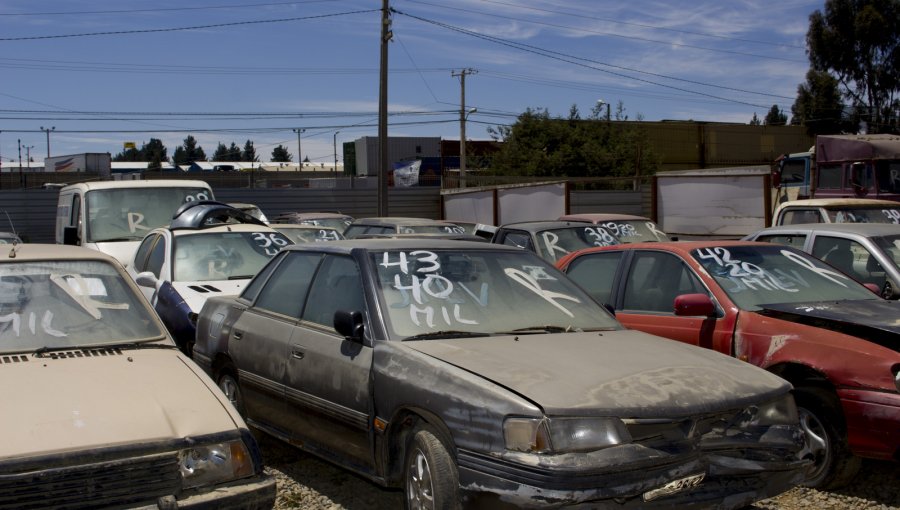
{"x": 850, "y": 256}
{"x": 259, "y": 342}
{"x": 327, "y": 377}
{"x": 650, "y": 282}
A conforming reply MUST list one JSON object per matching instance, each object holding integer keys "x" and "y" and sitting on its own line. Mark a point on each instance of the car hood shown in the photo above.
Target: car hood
{"x": 196, "y": 293}
{"x": 631, "y": 373}
{"x": 59, "y": 405}
{"x": 875, "y": 320}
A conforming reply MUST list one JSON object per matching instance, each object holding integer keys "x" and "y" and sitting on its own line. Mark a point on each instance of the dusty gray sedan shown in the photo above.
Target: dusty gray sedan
{"x": 472, "y": 374}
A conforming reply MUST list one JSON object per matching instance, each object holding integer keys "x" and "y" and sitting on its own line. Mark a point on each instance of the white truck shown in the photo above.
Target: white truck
{"x": 93, "y": 162}
{"x": 113, "y": 216}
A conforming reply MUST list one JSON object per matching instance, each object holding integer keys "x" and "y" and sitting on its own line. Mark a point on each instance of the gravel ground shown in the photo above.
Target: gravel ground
{"x": 307, "y": 483}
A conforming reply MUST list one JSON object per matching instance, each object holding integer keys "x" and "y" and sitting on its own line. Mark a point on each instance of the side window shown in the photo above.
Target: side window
{"x": 285, "y": 292}
{"x": 797, "y": 216}
{"x": 76, "y": 210}
{"x": 850, "y": 257}
{"x": 519, "y": 239}
{"x": 830, "y": 176}
{"x": 337, "y": 286}
{"x": 354, "y": 231}
{"x": 595, "y": 273}
{"x": 793, "y": 172}
{"x": 140, "y": 256}
{"x": 259, "y": 280}
{"x": 157, "y": 257}
{"x": 655, "y": 280}
{"x": 795, "y": 240}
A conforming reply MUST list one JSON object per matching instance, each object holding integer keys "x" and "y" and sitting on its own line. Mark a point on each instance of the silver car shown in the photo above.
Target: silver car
{"x": 475, "y": 374}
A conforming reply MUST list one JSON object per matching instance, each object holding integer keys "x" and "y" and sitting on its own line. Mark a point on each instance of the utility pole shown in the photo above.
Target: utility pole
{"x": 462, "y": 122}
{"x": 334, "y": 171}
{"x": 299, "y": 154}
{"x": 386, "y": 36}
{"x": 21, "y": 177}
{"x": 47, "y": 130}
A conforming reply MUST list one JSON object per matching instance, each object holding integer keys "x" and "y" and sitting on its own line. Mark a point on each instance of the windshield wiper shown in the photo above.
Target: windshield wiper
{"x": 240, "y": 277}
{"x": 115, "y": 239}
{"x": 547, "y": 328}
{"x": 446, "y": 334}
{"x": 39, "y": 353}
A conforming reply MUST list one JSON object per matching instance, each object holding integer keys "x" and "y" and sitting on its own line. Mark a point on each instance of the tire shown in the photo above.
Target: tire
{"x": 822, "y": 421}
{"x": 229, "y": 386}
{"x": 430, "y": 480}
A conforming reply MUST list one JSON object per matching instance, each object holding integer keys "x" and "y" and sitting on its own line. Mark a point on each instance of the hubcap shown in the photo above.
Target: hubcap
{"x": 816, "y": 445}
{"x": 229, "y": 388}
{"x": 419, "y": 490}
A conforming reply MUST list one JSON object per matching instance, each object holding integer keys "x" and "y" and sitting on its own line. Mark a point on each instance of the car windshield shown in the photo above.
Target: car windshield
{"x": 878, "y": 214}
{"x": 207, "y": 256}
{"x": 554, "y": 244}
{"x": 437, "y": 228}
{"x": 337, "y": 223}
{"x": 891, "y": 246}
{"x": 756, "y": 275}
{"x": 310, "y": 234}
{"x": 57, "y": 304}
{"x": 128, "y": 214}
{"x": 634, "y": 231}
{"x": 480, "y": 292}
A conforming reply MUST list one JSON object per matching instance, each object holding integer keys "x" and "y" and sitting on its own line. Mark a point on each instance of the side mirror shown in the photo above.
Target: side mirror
{"x": 874, "y": 288}
{"x": 610, "y": 308}
{"x": 889, "y": 291}
{"x": 694, "y": 305}
{"x": 70, "y": 236}
{"x": 349, "y": 324}
{"x": 146, "y": 279}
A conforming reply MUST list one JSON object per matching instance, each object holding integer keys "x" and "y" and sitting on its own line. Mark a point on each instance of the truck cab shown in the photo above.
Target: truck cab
{"x": 113, "y": 216}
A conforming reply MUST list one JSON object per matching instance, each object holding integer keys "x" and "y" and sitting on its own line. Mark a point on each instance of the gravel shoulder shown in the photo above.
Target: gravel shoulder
{"x": 307, "y": 483}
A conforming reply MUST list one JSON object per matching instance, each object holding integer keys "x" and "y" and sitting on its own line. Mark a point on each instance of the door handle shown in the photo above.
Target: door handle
{"x": 238, "y": 334}
{"x": 297, "y": 354}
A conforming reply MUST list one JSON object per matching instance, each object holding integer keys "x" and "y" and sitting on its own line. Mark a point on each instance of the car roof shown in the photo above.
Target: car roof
{"x": 230, "y": 227}
{"x": 300, "y": 226}
{"x": 398, "y": 220}
{"x": 194, "y": 215}
{"x": 39, "y": 251}
{"x": 598, "y": 217}
{"x": 537, "y": 225}
{"x": 837, "y": 202}
{"x": 313, "y": 215}
{"x": 683, "y": 248}
{"x": 149, "y": 183}
{"x": 392, "y": 244}
{"x": 865, "y": 229}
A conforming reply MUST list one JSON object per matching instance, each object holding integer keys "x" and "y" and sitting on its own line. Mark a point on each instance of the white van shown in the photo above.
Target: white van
{"x": 113, "y": 216}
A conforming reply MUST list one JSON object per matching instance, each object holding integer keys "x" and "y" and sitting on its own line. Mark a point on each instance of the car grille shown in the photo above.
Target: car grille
{"x": 104, "y": 484}
{"x": 664, "y": 434}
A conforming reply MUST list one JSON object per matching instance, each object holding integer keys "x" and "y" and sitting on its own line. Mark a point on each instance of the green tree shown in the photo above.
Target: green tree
{"x": 223, "y": 153}
{"x": 280, "y": 154}
{"x": 249, "y": 152}
{"x": 129, "y": 155}
{"x": 155, "y": 153}
{"x": 755, "y": 120}
{"x": 818, "y": 105}
{"x": 858, "y": 42}
{"x": 775, "y": 117}
{"x": 188, "y": 152}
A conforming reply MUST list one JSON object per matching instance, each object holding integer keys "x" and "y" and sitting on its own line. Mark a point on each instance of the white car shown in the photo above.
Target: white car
{"x": 101, "y": 409}
{"x": 210, "y": 249}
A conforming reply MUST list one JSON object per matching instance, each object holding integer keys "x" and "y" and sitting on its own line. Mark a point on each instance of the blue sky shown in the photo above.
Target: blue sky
{"x": 106, "y": 72}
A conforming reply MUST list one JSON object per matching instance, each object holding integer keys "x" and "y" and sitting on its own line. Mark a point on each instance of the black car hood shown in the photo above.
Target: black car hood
{"x": 874, "y": 320}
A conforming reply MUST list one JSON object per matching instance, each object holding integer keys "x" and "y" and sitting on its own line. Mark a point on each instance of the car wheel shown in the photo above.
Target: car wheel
{"x": 826, "y": 440}
{"x": 888, "y": 290}
{"x": 229, "y": 386}
{"x": 431, "y": 480}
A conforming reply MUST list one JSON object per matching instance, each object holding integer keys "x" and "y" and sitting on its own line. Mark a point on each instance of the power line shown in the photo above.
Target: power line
{"x": 176, "y": 29}
{"x": 162, "y": 9}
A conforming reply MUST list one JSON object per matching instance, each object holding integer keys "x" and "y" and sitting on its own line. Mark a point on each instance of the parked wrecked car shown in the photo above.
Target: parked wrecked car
{"x": 627, "y": 228}
{"x": 400, "y": 225}
{"x": 335, "y": 220}
{"x": 780, "y": 309}
{"x": 837, "y": 210}
{"x": 553, "y": 240}
{"x": 209, "y": 249}
{"x": 869, "y": 252}
{"x": 100, "y": 407}
{"x": 479, "y": 374}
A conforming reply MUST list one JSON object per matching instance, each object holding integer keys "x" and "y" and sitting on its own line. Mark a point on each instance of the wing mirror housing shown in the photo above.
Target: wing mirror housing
{"x": 146, "y": 279}
{"x": 694, "y": 305}
{"x": 70, "y": 236}
{"x": 350, "y": 325}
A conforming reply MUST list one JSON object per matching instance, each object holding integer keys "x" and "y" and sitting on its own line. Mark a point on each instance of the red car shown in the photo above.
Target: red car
{"x": 777, "y": 308}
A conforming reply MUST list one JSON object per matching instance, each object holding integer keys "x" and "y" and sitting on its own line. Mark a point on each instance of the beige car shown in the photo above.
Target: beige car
{"x": 837, "y": 210}
{"x": 100, "y": 407}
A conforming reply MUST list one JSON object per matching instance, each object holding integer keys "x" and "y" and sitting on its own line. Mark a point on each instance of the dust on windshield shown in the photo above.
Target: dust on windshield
{"x": 127, "y": 214}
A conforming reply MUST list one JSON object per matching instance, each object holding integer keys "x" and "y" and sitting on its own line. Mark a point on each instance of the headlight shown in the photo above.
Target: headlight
{"x": 897, "y": 377}
{"x": 563, "y": 435}
{"x": 782, "y": 411}
{"x": 215, "y": 463}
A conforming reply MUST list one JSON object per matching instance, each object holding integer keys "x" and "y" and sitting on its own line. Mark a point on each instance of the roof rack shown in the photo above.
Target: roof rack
{"x": 200, "y": 214}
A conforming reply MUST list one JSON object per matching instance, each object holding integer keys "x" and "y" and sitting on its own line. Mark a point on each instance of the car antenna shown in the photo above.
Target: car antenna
{"x": 13, "y": 228}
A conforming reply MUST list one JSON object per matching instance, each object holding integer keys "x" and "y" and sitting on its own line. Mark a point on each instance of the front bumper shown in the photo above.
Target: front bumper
{"x": 873, "y": 419}
{"x": 257, "y": 493}
{"x": 729, "y": 480}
